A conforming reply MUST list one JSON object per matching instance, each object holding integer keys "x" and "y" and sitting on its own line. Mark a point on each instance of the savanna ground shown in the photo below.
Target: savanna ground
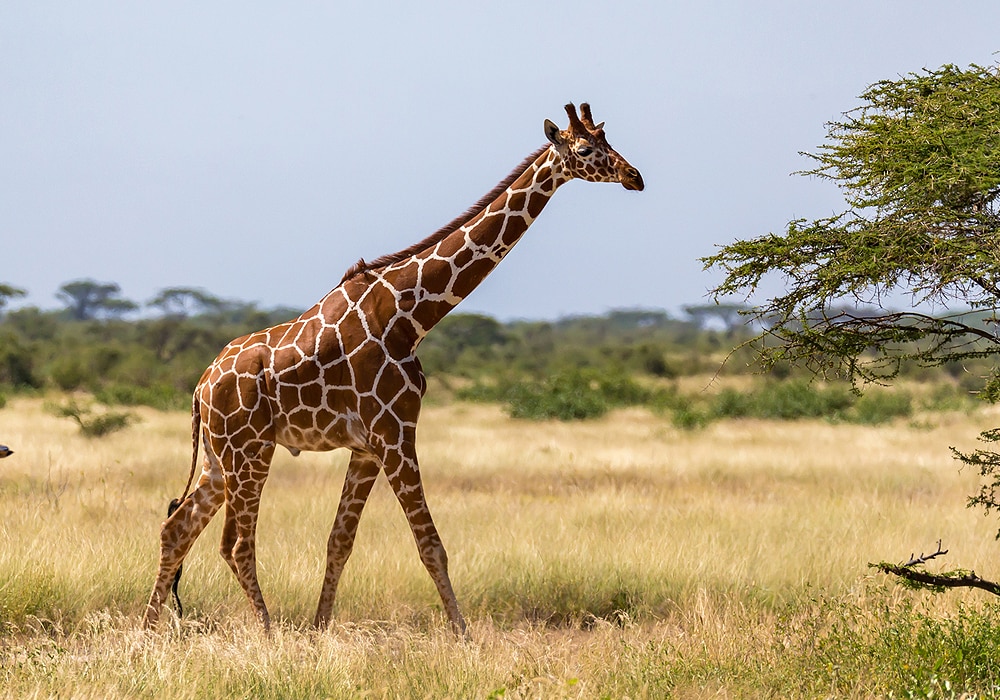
{"x": 619, "y": 557}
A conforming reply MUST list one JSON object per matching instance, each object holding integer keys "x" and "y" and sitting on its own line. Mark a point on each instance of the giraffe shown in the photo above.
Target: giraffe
{"x": 345, "y": 374}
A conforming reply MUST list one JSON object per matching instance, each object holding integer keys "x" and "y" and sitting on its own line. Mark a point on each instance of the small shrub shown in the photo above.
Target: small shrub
{"x": 568, "y": 395}
{"x": 94, "y": 425}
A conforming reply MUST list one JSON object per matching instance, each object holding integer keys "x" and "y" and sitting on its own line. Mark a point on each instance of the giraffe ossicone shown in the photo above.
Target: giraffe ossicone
{"x": 345, "y": 374}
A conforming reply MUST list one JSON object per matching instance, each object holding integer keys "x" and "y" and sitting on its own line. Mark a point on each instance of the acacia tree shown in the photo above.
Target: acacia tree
{"x": 87, "y": 299}
{"x": 918, "y": 163}
{"x": 729, "y": 315}
{"x": 8, "y": 292}
{"x": 181, "y": 302}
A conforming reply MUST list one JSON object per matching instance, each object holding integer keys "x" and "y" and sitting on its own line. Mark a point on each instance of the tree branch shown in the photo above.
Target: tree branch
{"x": 960, "y": 578}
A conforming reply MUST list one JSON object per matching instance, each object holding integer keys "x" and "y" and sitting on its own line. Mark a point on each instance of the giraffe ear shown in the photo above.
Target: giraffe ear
{"x": 552, "y": 133}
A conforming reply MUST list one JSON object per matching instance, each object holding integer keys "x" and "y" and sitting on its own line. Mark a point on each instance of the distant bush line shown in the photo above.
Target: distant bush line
{"x": 570, "y": 369}
{"x": 582, "y": 394}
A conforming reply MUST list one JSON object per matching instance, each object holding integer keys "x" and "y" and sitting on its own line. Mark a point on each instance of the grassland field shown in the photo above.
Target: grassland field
{"x": 618, "y": 557}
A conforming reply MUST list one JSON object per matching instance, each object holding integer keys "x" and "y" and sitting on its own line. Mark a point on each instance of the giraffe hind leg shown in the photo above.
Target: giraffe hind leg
{"x": 180, "y": 530}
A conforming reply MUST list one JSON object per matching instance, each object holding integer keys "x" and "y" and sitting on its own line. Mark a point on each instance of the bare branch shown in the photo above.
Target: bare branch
{"x": 923, "y": 559}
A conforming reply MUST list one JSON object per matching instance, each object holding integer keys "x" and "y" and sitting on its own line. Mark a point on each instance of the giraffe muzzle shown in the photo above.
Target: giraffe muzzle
{"x": 631, "y": 179}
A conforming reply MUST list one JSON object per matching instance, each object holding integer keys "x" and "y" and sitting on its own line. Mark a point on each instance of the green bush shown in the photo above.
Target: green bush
{"x": 881, "y": 407}
{"x": 569, "y": 394}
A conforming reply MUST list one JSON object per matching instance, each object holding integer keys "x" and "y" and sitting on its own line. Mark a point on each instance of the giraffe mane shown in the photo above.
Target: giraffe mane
{"x": 362, "y": 266}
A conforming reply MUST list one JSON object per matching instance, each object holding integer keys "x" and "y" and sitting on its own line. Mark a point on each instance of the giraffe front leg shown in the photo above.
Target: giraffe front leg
{"x": 361, "y": 474}
{"x": 179, "y": 532}
{"x": 404, "y": 477}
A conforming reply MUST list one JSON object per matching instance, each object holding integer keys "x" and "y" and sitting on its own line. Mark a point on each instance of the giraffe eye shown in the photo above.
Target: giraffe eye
{"x": 584, "y": 150}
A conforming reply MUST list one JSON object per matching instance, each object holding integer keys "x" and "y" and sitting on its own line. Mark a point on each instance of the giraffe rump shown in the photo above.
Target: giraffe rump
{"x": 446, "y": 230}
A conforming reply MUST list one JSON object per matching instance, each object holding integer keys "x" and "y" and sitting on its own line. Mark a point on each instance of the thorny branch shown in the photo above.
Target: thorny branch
{"x": 918, "y": 578}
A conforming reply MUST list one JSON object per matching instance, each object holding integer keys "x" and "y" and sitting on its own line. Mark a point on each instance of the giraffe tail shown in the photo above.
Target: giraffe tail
{"x": 176, "y": 502}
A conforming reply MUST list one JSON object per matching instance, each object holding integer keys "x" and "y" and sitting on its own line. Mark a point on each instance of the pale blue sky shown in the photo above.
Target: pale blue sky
{"x": 258, "y": 149}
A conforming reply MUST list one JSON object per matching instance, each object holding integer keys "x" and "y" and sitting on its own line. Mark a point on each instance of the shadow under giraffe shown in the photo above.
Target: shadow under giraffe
{"x": 345, "y": 374}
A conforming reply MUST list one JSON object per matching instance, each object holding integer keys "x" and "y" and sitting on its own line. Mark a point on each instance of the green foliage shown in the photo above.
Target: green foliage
{"x": 919, "y": 164}
{"x": 896, "y": 648}
{"x": 987, "y": 463}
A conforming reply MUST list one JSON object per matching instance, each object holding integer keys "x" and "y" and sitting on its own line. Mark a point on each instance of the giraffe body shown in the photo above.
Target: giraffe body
{"x": 345, "y": 374}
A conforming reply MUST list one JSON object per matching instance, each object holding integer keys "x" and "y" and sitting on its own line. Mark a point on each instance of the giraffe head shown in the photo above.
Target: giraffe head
{"x": 586, "y": 153}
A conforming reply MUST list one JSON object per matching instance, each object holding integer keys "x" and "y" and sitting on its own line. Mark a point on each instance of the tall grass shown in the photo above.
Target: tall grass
{"x": 616, "y": 557}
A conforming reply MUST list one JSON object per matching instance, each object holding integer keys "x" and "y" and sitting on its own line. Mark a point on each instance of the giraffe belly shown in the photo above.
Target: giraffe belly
{"x": 321, "y": 431}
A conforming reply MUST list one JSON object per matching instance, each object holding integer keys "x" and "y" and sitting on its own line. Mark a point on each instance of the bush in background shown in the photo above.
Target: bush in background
{"x": 569, "y": 394}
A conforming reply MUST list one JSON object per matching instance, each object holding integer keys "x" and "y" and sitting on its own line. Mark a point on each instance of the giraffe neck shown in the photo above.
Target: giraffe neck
{"x": 434, "y": 280}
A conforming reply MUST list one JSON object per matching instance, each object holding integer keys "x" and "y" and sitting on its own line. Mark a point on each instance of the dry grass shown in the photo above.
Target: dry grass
{"x": 619, "y": 557}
